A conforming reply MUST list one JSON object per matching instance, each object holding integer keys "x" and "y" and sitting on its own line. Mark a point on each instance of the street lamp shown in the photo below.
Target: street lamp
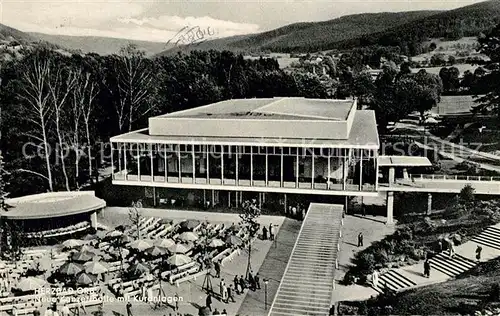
{"x": 266, "y": 281}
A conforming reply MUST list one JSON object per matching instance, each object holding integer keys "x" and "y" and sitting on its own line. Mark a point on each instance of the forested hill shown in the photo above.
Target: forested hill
{"x": 304, "y": 36}
{"x": 466, "y": 21}
{"x": 404, "y": 29}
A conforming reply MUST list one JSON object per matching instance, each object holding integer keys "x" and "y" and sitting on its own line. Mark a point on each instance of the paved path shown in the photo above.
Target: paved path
{"x": 272, "y": 269}
{"x": 444, "y": 268}
{"x": 306, "y": 287}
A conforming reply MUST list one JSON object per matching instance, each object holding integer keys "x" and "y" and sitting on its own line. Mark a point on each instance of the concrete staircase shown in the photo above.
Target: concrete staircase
{"x": 490, "y": 237}
{"x": 393, "y": 280}
{"x": 307, "y": 284}
{"x": 442, "y": 266}
{"x": 451, "y": 266}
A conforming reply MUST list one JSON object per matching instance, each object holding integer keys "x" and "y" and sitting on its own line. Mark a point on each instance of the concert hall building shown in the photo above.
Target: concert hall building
{"x": 237, "y": 149}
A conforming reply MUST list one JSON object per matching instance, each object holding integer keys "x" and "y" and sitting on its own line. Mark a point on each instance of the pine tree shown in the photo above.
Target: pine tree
{"x": 3, "y": 197}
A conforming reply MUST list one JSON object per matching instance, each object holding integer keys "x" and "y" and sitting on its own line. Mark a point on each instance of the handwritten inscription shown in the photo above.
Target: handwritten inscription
{"x": 192, "y": 35}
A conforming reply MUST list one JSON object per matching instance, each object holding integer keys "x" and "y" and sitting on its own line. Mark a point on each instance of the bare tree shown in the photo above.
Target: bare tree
{"x": 89, "y": 95}
{"x": 135, "y": 216}
{"x": 83, "y": 96}
{"x": 35, "y": 94}
{"x": 134, "y": 83}
{"x": 60, "y": 85}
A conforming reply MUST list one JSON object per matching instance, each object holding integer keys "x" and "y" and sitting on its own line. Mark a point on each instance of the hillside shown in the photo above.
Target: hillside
{"x": 9, "y": 34}
{"x": 454, "y": 24}
{"x": 99, "y": 45}
{"x": 301, "y": 37}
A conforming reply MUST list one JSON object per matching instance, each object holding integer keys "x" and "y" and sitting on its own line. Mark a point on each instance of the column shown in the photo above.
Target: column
{"x": 328, "y": 172}
{"x": 228, "y": 198}
{"x": 285, "y": 204}
{"x": 222, "y": 165}
{"x": 204, "y": 198}
{"x": 260, "y": 200}
{"x": 179, "y": 161}
{"x": 391, "y": 175}
{"x": 124, "y": 161}
{"x": 281, "y": 169}
{"x": 138, "y": 164}
{"x": 93, "y": 220}
{"x": 390, "y": 208}
{"x": 207, "y": 152}
{"x": 346, "y": 203}
{"x": 376, "y": 172}
{"x": 154, "y": 196}
{"x": 166, "y": 162}
{"x": 151, "y": 160}
{"x": 267, "y": 168}
{"x": 112, "y": 166}
{"x": 429, "y": 203}
{"x": 119, "y": 147}
{"x": 237, "y": 167}
{"x": 361, "y": 169}
{"x": 344, "y": 171}
{"x": 194, "y": 164}
{"x": 213, "y": 198}
{"x": 251, "y": 165}
{"x": 312, "y": 169}
{"x": 297, "y": 169}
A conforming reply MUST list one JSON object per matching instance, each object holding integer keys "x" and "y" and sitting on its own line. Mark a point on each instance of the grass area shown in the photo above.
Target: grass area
{"x": 418, "y": 236}
{"x": 474, "y": 290}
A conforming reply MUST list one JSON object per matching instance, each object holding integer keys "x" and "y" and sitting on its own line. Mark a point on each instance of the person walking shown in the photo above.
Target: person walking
{"x": 230, "y": 295}
{"x": 360, "y": 239}
{"x": 452, "y": 250}
{"x": 478, "y": 253}
{"x": 236, "y": 284}
{"x": 129, "y": 309}
{"x": 427, "y": 268}
{"x": 251, "y": 280}
{"x": 208, "y": 302}
{"x": 242, "y": 283}
{"x": 217, "y": 269}
{"x": 176, "y": 299}
{"x": 375, "y": 279}
{"x": 257, "y": 281}
{"x": 221, "y": 286}
{"x": 271, "y": 231}
{"x": 264, "y": 233}
{"x": 224, "y": 294}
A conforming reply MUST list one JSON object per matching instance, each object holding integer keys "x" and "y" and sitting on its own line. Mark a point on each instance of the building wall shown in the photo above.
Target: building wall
{"x": 249, "y": 128}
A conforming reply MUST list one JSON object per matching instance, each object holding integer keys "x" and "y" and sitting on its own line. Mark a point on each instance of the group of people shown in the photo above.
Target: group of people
{"x": 271, "y": 231}
{"x": 297, "y": 212}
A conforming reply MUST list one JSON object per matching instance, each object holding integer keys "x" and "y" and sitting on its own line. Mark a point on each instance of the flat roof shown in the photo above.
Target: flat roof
{"x": 403, "y": 161}
{"x": 363, "y": 134}
{"x": 271, "y": 108}
{"x": 52, "y": 204}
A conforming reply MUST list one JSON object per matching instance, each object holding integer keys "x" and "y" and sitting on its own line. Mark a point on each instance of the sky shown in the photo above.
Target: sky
{"x": 161, "y": 20}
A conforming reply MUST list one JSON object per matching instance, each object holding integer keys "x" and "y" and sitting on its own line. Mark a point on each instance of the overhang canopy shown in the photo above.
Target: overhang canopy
{"x": 403, "y": 161}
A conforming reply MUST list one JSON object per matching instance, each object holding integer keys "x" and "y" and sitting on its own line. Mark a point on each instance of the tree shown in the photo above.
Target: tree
{"x": 35, "y": 94}
{"x": 14, "y": 240}
{"x": 60, "y": 84}
{"x": 466, "y": 196}
{"x": 131, "y": 86}
{"x": 438, "y": 60}
{"x": 490, "y": 46}
{"x": 363, "y": 87}
{"x": 449, "y": 77}
{"x": 135, "y": 216}
{"x": 432, "y": 46}
{"x": 452, "y": 60}
{"x": 3, "y": 197}
{"x": 84, "y": 94}
{"x": 250, "y": 212}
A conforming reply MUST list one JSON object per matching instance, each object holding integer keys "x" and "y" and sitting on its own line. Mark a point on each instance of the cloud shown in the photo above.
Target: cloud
{"x": 130, "y": 20}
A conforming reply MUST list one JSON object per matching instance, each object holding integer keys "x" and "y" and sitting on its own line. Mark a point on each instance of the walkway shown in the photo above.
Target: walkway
{"x": 444, "y": 268}
{"x": 307, "y": 285}
{"x": 272, "y": 269}
{"x": 444, "y": 184}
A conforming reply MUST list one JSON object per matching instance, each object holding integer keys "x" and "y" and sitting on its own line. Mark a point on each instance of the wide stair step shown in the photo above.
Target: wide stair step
{"x": 451, "y": 266}
{"x": 394, "y": 281}
{"x": 490, "y": 237}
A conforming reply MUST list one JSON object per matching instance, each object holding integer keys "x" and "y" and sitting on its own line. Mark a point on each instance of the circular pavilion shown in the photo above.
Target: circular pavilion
{"x": 54, "y": 214}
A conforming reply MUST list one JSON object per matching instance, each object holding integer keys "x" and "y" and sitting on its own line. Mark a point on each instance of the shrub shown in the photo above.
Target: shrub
{"x": 365, "y": 262}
